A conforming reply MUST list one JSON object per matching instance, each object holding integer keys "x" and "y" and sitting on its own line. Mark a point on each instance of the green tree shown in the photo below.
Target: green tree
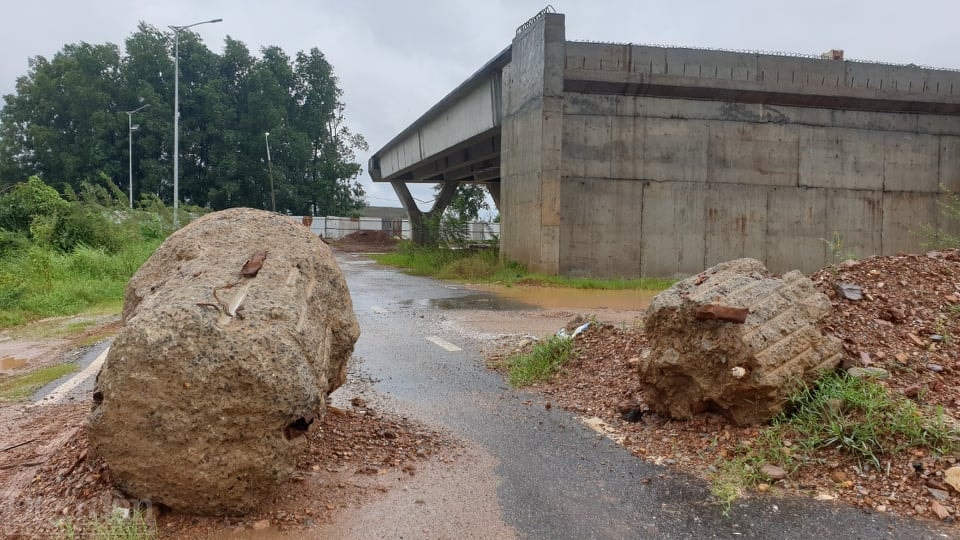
{"x": 66, "y": 123}
{"x": 328, "y": 184}
{"x": 467, "y": 203}
{"x": 61, "y": 124}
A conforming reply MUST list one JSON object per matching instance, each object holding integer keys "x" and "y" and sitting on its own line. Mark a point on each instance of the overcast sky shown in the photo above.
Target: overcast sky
{"x": 396, "y": 58}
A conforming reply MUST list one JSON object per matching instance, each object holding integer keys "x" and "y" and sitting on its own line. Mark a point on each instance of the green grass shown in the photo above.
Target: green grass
{"x": 39, "y": 283}
{"x": 540, "y": 363}
{"x": 113, "y": 527}
{"x": 486, "y": 267}
{"x": 23, "y": 386}
{"x": 858, "y": 417}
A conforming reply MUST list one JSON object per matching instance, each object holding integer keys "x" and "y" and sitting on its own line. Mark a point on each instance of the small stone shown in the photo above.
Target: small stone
{"x": 763, "y": 488}
{"x": 938, "y": 494}
{"x": 936, "y": 484}
{"x": 881, "y": 508}
{"x": 951, "y": 298}
{"x": 359, "y": 402}
{"x": 633, "y": 361}
{"x": 916, "y": 341}
{"x": 868, "y": 372}
{"x": 939, "y": 510}
{"x": 849, "y": 291}
{"x": 902, "y": 357}
{"x": 912, "y": 391}
{"x": 261, "y": 525}
{"x": 547, "y": 405}
{"x": 388, "y": 434}
{"x": 865, "y": 359}
{"x": 952, "y": 477}
{"x": 893, "y": 315}
{"x": 936, "y": 368}
{"x": 773, "y": 472}
{"x": 838, "y": 477}
{"x": 419, "y": 501}
{"x": 936, "y": 338}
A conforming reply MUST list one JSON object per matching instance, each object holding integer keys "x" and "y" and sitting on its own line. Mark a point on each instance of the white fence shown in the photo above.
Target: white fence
{"x": 334, "y": 227}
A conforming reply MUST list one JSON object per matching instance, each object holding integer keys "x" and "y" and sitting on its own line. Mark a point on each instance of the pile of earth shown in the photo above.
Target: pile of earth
{"x": 355, "y": 453}
{"x": 365, "y": 241}
{"x": 907, "y": 323}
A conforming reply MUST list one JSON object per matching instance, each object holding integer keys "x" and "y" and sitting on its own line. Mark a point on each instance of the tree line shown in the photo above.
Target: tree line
{"x": 67, "y": 123}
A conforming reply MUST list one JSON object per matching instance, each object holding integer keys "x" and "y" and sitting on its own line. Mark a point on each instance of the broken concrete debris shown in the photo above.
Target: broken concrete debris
{"x": 227, "y": 354}
{"x": 745, "y": 371}
{"x": 849, "y": 291}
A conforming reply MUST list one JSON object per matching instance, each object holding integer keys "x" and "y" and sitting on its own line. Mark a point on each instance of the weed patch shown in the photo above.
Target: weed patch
{"x": 540, "y": 363}
{"x": 115, "y": 527}
{"x": 485, "y": 266}
{"x": 858, "y": 417}
{"x": 21, "y": 387}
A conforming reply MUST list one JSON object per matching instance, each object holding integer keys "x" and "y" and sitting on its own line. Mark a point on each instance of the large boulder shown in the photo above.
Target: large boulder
{"x": 704, "y": 356}
{"x": 234, "y": 333}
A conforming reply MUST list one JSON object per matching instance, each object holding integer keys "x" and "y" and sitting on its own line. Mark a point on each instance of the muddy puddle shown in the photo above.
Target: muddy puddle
{"x": 10, "y": 363}
{"x": 554, "y": 297}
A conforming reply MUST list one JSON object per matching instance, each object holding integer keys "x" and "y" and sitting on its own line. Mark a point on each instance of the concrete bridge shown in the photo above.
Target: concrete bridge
{"x": 626, "y": 160}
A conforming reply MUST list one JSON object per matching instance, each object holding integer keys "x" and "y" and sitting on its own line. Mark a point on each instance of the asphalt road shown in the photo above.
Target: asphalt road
{"x": 555, "y": 477}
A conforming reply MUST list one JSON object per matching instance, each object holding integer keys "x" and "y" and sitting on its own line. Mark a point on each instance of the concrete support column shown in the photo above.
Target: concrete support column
{"x": 421, "y": 223}
{"x": 494, "y": 189}
{"x": 531, "y": 149}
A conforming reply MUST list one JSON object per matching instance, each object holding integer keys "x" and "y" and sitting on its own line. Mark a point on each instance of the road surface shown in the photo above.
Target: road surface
{"x": 542, "y": 471}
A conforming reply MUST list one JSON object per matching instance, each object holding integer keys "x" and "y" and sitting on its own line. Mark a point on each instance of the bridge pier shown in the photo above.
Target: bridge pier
{"x": 424, "y": 226}
{"x": 493, "y": 188}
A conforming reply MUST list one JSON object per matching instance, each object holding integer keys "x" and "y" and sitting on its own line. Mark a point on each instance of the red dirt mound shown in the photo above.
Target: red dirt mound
{"x": 365, "y": 241}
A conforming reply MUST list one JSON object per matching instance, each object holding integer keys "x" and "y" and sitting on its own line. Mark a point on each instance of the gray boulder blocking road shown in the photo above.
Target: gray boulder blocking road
{"x": 234, "y": 333}
{"x": 706, "y": 356}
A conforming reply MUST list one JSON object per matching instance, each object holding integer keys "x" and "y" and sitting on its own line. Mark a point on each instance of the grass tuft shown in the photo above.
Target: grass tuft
{"x": 485, "y": 266}
{"x": 858, "y": 417}
{"x": 117, "y": 526}
{"x": 23, "y": 386}
{"x": 540, "y": 363}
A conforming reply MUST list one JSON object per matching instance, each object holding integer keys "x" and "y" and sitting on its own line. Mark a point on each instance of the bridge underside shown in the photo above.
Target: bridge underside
{"x": 474, "y": 161}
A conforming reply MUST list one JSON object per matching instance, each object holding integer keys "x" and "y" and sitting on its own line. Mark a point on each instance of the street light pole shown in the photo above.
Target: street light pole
{"x": 273, "y": 199}
{"x": 130, "y": 129}
{"x": 176, "y": 113}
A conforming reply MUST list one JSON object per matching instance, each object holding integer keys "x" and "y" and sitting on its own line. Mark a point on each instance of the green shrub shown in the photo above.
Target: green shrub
{"x": 86, "y": 226}
{"x": 26, "y": 200}
{"x": 12, "y": 242}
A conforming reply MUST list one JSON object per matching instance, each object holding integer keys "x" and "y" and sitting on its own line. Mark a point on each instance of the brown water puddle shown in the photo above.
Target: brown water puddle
{"x": 16, "y": 354}
{"x": 10, "y": 362}
{"x": 556, "y": 297}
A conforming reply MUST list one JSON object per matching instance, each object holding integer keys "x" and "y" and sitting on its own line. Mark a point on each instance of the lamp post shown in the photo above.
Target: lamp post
{"x": 273, "y": 199}
{"x": 176, "y": 113}
{"x": 130, "y": 128}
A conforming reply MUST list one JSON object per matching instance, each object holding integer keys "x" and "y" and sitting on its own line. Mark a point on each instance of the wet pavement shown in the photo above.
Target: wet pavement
{"x": 556, "y": 477}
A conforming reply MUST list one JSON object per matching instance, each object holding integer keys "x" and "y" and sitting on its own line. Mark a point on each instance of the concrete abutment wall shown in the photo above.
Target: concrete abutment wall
{"x": 661, "y": 162}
